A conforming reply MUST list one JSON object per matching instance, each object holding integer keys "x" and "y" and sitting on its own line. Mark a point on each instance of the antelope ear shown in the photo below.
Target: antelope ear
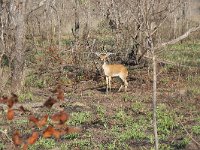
{"x": 98, "y": 54}
{"x": 108, "y": 54}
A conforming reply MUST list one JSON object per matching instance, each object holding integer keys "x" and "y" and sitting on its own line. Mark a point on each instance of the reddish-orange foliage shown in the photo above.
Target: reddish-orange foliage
{"x": 42, "y": 122}
{"x": 12, "y": 100}
{"x": 23, "y": 109}
{"x": 33, "y": 138}
{"x": 39, "y": 123}
{"x": 56, "y": 133}
{"x": 10, "y": 114}
{"x": 50, "y": 131}
{"x": 10, "y": 103}
{"x": 53, "y": 52}
{"x": 16, "y": 138}
{"x": 60, "y": 93}
{"x": 69, "y": 130}
{"x": 60, "y": 117}
{"x": 33, "y": 119}
{"x": 25, "y": 147}
{"x": 14, "y": 97}
{"x": 49, "y": 102}
{"x": 4, "y": 99}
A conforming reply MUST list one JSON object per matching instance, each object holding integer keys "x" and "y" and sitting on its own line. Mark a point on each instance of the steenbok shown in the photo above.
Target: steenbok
{"x": 113, "y": 70}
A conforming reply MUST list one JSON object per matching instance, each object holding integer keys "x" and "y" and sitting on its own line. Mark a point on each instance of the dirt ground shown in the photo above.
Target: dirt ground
{"x": 99, "y": 123}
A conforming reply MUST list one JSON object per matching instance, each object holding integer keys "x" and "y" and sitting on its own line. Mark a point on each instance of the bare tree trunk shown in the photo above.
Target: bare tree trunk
{"x": 175, "y": 27}
{"x": 154, "y": 101}
{"x": 2, "y": 46}
{"x": 18, "y": 54}
{"x": 151, "y": 46}
{"x": 75, "y": 31}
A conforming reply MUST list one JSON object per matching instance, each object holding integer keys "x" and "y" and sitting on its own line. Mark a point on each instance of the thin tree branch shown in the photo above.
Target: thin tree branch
{"x": 154, "y": 102}
{"x": 185, "y": 35}
{"x": 42, "y": 3}
{"x": 172, "y": 63}
{"x": 6, "y": 134}
{"x": 190, "y": 136}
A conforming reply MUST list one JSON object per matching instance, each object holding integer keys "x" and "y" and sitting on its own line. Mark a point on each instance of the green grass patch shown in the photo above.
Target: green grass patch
{"x": 196, "y": 129}
{"x": 79, "y": 118}
{"x": 34, "y": 80}
{"x": 187, "y": 54}
{"x": 101, "y": 112}
{"x": 70, "y": 136}
{"x": 135, "y": 131}
{"x": 166, "y": 121}
{"x": 180, "y": 144}
{"x": 114, "y": 145}
{"x": 193, "y": 79}
{"x": 67, "y": 42}
{"x": 194, "y": 90}
{"x": 80, "y": 144}
{"x": 21, "y": 121}
{"x": 138, "y": 106}
{"x": 2, "y": 146}
{"x": 126, "y": 97}
{"x": 43, "y": 143}
{"x": 129, "y": 127}
{"x": 26, "y": 96}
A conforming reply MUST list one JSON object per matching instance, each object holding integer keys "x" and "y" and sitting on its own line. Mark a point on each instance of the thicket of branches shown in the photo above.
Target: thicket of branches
{"x": 47, "y": 35}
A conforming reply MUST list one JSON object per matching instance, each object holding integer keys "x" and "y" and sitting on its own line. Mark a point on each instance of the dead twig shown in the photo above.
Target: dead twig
{"x": 172, "y": 63}
{"x": 190, "y": 136}
{"x": 5, "y": 133}
{"x": 185, "y": 35}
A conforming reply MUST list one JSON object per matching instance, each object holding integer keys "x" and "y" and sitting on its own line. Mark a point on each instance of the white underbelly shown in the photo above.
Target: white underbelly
{"x": 115, "y": 75}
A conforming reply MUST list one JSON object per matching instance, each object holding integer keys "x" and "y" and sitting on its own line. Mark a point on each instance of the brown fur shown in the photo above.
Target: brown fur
{"x": 113, "y": 70}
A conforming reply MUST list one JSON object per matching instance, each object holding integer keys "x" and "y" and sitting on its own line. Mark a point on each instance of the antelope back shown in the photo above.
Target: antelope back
{"x": 115, "y": 70}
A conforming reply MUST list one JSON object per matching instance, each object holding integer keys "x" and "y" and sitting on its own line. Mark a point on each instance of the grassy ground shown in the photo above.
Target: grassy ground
{"x": 123, "y": 120}
{"x": 185, "y": 54}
